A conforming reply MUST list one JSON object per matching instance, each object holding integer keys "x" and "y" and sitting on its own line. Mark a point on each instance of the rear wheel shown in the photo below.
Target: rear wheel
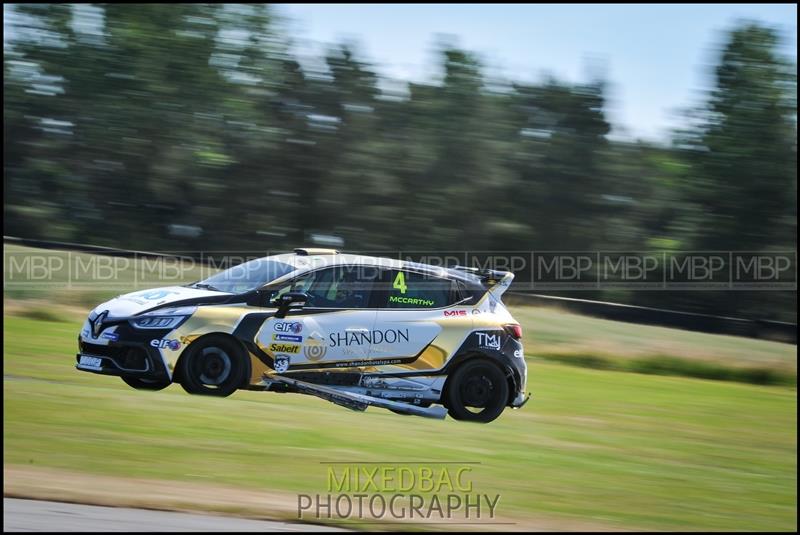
{"x": 146, "y": 384}
{"x": 213, "y": 366}
{"x": 477, "y": 392}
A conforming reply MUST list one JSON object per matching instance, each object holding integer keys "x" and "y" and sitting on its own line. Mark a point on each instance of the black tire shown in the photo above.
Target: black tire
{"x": 477, "y": 384}
{"x": 146, "y": 384}
{"x": 213, "y": 366}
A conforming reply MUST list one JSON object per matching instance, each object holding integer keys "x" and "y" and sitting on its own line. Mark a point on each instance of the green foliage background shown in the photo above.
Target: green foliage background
{"x": 121, "y": 120}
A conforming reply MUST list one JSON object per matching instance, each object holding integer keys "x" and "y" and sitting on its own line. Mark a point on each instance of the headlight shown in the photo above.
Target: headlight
{"x": 157, "y": 322}
{"x": 163, "y": 319}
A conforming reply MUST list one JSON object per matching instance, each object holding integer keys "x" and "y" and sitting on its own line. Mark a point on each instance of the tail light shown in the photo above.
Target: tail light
{"x": 514, "y": 330}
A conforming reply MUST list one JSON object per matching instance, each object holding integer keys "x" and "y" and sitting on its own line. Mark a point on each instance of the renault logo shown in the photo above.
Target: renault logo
{"x": 97, "y": 323}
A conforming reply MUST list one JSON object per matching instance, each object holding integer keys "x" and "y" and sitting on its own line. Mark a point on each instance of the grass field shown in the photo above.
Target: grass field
{"x": 592, "y": 450}
{"x": 77, "y": 282}
{"x": 554, "y": 331}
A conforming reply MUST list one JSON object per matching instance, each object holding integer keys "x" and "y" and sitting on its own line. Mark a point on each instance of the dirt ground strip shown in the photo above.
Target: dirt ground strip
{"x": 68, "y": 486}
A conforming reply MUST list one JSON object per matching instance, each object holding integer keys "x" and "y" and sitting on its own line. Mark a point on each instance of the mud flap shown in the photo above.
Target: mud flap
{"x": 354, "y": 401}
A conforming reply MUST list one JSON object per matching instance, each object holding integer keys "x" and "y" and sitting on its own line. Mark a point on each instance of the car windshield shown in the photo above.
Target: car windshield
{"x": 245, "y": 277}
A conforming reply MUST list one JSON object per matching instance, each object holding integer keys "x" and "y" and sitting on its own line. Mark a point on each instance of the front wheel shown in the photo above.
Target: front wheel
{"x": 213, "y": 366}
{"x": 146, "y": 384}
{"x": 477, "y": 392}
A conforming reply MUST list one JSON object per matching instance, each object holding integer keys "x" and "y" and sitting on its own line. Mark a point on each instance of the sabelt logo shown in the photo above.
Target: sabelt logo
{"x": 284, "y": 348}
{"x": 451, "y": 313}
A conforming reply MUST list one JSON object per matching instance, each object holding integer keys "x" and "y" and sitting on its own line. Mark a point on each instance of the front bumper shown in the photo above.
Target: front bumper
{"x": 131, "y": 354}
{"x": 121, "y": 360}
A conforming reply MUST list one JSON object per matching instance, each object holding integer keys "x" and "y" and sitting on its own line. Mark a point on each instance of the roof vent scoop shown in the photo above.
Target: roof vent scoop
{"x": 309, "y": 251}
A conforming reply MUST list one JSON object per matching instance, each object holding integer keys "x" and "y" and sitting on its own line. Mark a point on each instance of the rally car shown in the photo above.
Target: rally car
{"x": 356, "y": 330}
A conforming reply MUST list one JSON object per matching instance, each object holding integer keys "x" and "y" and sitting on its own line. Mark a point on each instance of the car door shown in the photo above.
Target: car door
{"x": 417, "y": 321}
{"x": 333, "y": 329}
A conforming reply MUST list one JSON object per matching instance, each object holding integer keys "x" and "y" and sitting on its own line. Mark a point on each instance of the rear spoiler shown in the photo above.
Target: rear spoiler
{"x": 496, "y": 282}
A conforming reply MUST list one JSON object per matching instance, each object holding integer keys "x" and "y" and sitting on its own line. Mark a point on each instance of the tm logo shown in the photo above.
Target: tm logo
{"x": 489, "y": 341}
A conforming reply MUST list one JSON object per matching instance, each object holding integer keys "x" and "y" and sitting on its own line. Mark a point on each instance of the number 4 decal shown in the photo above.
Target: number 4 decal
{"x": 400, "y": 283}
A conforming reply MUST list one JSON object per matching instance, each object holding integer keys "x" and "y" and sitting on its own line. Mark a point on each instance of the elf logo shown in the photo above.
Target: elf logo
{"x": 289, "y": 327}
{"x": 161, "y": 344}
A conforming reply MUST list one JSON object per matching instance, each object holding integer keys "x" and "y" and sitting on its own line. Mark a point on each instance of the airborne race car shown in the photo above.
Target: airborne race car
{"x": 355, "y": 330}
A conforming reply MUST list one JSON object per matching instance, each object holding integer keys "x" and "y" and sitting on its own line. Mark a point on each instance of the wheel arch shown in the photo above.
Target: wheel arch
{"x": 245, "y": 354}
{"x": 498, "y": 360}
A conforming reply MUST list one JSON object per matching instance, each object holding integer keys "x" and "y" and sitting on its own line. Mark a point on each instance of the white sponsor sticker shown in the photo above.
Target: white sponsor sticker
{"x": 281, "y": 363}
{"x": 489, "y": 341}
{"x": 90, "y": 362}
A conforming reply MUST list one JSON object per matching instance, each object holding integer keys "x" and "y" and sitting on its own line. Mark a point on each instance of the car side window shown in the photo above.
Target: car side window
{"x": 335, "y": 287}
{"x": 409, "y": 289}
{"x": 295, "y": 285}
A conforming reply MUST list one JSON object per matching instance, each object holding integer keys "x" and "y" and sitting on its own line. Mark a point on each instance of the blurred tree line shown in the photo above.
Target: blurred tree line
{"x": 193, "y": 127}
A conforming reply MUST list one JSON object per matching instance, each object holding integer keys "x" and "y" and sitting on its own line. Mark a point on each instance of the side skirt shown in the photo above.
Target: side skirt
{"x": 353, "y": 400}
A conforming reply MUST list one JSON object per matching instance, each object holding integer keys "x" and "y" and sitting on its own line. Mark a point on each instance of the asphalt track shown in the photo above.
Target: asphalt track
{"x": 35, "y": 515}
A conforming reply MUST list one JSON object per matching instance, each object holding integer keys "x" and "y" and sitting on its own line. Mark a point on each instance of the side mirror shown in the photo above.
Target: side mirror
{"x": 260, "y": 298}
{"x": 289, "y": 300}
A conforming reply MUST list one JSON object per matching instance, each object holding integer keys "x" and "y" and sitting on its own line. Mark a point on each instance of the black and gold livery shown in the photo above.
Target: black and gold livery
{"x": 358, "y": 331}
